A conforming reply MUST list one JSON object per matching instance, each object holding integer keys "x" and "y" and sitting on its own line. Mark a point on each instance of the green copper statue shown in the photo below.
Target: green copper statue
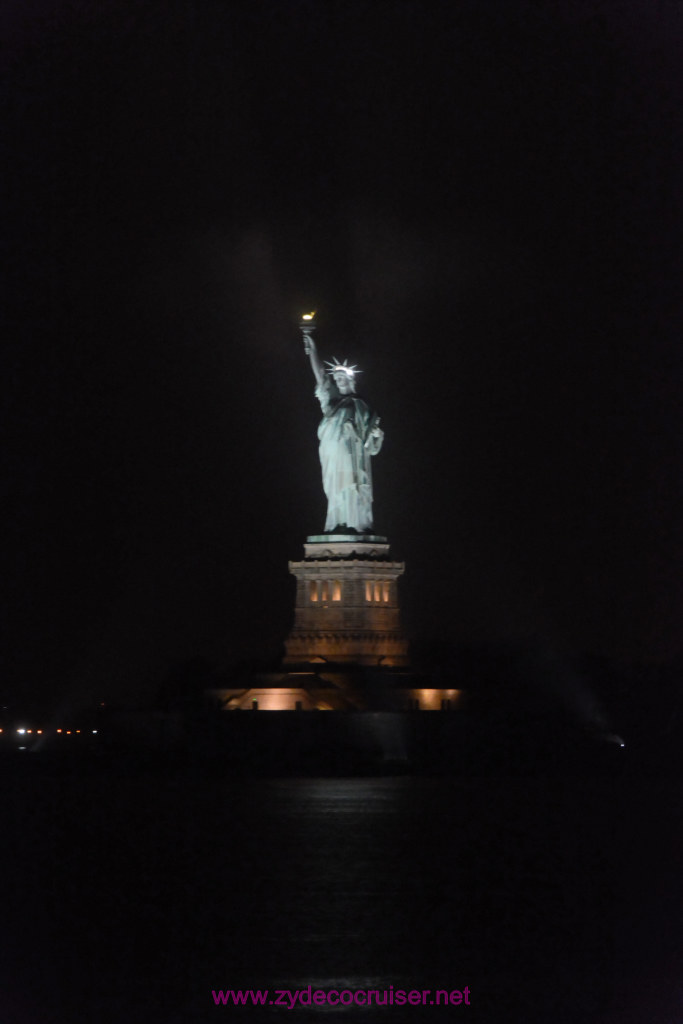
{"x": 349, "y": 435}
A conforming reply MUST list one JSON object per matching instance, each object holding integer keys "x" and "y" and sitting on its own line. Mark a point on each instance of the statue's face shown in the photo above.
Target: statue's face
{"x": 343, "y": 382}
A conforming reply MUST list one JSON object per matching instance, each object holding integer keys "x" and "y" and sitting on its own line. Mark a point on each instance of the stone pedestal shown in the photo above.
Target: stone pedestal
{"x": 347, "y": 607}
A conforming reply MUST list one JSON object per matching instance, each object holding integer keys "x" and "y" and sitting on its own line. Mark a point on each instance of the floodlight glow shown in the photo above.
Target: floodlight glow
{"x": 308, "y": 316}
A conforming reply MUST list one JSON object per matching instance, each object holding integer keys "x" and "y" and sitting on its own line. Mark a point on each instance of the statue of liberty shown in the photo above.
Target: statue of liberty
{"x": 349, "y": 435}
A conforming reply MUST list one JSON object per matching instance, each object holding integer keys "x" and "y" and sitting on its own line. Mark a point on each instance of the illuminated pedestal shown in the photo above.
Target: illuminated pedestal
{"x": 347, "y": 607}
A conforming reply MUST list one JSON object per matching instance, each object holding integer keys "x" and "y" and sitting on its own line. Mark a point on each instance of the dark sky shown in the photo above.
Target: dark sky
{"x": 482, "y": 200}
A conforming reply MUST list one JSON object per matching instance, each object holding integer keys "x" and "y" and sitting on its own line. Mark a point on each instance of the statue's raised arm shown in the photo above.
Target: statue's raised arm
{"x": 312, "y": 353}
{"x": 349, "y": 435}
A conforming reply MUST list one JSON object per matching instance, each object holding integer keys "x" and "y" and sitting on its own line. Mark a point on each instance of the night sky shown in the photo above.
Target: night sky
{"x": 483, "y": 202}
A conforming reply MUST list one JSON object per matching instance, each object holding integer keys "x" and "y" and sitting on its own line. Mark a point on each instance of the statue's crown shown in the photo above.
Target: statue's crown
{"x": 336, "y": 366}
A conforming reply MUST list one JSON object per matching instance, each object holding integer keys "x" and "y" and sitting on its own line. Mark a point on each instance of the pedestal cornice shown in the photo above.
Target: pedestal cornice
{"x": 338, "y": 545}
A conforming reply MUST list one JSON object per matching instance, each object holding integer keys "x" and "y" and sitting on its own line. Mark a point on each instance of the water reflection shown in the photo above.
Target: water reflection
{"x": 153, "y": 892}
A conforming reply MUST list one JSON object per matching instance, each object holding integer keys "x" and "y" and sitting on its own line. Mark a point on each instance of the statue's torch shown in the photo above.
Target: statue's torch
{"x": 306, "y": 323}
{"x": 307, "y": 327}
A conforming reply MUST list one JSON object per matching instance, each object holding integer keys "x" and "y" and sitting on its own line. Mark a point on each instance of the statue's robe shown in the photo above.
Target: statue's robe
{"x": 345, "y": 458}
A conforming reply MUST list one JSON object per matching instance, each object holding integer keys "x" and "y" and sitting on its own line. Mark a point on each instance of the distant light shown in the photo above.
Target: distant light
{"x": 59, "y": 730}
{"x": 78, "y": 730}
{"x": 21, "y": 748}
{"x": 94, "y": 731}
{"x": 308, "y": 316}
{"x": 39, "y": 731}
{"x": 68, "y": 732}
{"x": 29, "y": 730}
{"x": 22, "y": 731}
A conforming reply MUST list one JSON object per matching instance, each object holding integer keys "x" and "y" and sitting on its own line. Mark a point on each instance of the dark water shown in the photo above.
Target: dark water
{"x": 130, "y": 898}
